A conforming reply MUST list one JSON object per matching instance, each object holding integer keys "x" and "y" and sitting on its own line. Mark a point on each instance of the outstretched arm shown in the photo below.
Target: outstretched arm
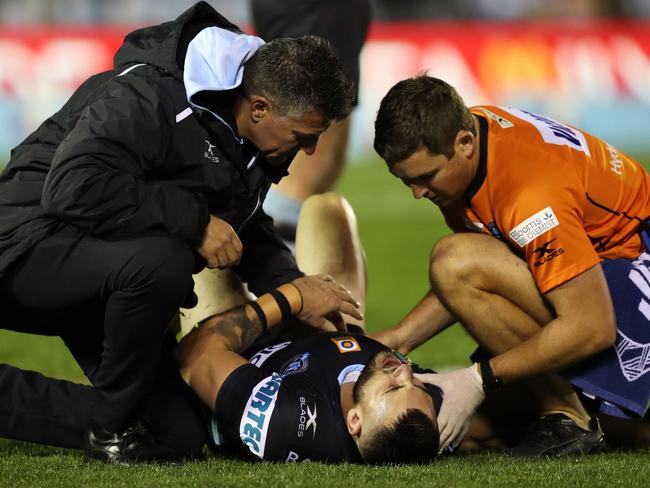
{"x": 427, "y": 319}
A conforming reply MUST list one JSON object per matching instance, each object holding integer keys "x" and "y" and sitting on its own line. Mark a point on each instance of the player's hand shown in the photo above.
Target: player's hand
{"x": 323, "y": 299}
{"x": 463, "y": 393}
{"x": 221, "y": 247}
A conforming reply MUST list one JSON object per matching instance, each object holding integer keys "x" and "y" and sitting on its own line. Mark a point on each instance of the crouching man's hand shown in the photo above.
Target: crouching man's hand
{"x": 220, "y": 247}
{"x": 463, "y": 393}
{"x": 323, "y": 300}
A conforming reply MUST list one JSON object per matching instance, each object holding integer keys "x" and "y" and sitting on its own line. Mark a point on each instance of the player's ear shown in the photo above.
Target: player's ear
{"x": 354, "y": 421}
{"x": 465, "y": 143}
{"x": 260, "y": 107}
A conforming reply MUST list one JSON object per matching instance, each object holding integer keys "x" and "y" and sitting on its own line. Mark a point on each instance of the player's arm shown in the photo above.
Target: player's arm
{"x": 428, "y": 318}
{"x": 585, "y": 325}
{"x": 212, "y": 351}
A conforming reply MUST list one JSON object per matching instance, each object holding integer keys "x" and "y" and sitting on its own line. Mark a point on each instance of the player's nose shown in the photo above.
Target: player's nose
{"x": 404, "y": 374}
{"x": 309, "y": 150}
{"x": 418, "y": 191}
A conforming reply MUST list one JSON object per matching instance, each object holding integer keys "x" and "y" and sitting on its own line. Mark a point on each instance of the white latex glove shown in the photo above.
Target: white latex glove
{"x": 463, "y": 393}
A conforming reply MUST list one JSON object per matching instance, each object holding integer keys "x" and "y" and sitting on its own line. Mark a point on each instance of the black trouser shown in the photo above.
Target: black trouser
{"x": 111, "y": 301}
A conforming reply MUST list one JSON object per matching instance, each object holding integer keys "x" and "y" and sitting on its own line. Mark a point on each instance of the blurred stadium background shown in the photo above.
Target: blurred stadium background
{"x": 586, "y": 62}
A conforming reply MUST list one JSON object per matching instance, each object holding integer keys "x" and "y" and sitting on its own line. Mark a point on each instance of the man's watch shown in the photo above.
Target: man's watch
{"x": 490, "y": 382}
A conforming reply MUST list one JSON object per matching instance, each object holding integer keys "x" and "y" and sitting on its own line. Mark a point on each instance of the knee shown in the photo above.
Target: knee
{"x": 330, "y": 204}
{"x": 163, "y": 261}
{"x": 454, "y": 258}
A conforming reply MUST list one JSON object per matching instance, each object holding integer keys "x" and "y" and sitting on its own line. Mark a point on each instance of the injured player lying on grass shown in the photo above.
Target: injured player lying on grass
{"x": 288, "y": 392}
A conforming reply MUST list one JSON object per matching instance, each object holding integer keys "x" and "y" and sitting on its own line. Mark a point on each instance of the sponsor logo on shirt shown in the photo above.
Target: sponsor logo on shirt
{"x": 260, "y": 357}
{"x": 615, "y": 163}
{"x": 254, "y": 424}
{"x": 534, "y": 226}
{"x": 552, "y": 131}
{"x": 346, "y": 344}
{"x": 294, "y": 457}
{"x": 307, "y": 418}
{"x": 209, "y": 154}
{"x": 504, "y": 123}
{"x": 546, "y": 253}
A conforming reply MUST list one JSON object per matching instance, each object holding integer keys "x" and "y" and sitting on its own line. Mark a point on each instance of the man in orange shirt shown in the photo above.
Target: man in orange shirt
{"x": 562, "y": 288}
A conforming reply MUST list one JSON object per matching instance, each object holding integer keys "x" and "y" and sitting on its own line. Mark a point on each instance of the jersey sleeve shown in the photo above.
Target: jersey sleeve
{"x": 545, "y": 223}
{"x": 230, "y": 407}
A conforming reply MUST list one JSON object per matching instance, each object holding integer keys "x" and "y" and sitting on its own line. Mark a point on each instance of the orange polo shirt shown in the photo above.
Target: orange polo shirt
{"x": 561, "y": 198}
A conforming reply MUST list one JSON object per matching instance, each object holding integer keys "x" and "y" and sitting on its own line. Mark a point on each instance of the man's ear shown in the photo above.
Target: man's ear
{"x": 260, "y": 107}
{"x": 465, "y": 143}
{"x": 354, "y": 421}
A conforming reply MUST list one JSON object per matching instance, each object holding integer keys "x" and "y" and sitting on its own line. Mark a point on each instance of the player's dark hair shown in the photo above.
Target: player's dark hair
{"x": 420, "y": 112}
{"x": 299, "y": 75}
{"x": 411, "y": 439}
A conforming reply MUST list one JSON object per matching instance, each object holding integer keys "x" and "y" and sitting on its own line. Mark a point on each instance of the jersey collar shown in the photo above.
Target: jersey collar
{"x": 481, "y": 171}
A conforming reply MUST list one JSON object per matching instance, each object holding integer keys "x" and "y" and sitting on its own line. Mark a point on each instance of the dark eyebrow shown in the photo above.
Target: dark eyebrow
{"x": 391, "y": 389}
{"x": 394, "y": 388}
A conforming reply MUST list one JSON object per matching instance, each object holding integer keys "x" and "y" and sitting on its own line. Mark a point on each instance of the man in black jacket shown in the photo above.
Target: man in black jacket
{"x": 150, "y": 172}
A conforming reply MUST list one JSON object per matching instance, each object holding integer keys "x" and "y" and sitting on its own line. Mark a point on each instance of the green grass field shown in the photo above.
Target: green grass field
{"x": 397, "y": 233}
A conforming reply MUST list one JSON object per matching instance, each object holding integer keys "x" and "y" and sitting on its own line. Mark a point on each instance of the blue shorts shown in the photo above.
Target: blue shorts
{"x": 620, "y": 376}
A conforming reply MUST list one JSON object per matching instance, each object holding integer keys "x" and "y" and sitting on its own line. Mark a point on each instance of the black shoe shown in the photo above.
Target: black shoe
{"x": 134, "y": 444}
{"x": 557, "y": 435}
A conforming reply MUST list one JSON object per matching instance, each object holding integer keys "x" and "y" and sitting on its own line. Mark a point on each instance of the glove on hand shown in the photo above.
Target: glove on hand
{"x": 463, "y": 393}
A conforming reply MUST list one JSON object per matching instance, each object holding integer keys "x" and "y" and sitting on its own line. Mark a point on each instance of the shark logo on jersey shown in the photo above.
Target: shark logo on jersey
{"x": 552, "y": 131}
{"x": 295, "y": 365}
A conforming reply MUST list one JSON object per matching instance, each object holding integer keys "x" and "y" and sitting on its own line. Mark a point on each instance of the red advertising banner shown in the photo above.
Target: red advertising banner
{"x": 593, "y": 74}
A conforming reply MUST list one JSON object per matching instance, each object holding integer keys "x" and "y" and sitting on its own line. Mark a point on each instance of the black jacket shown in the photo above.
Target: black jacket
{"x": 120, "y": 159}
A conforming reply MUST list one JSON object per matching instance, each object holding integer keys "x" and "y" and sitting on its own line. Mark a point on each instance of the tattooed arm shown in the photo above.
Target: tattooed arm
{"x": 209, "y": 353}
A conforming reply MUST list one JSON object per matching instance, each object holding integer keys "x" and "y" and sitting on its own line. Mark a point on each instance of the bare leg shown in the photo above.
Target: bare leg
{"x": 492, "y": 293}
{"x": 327, "y": 242}
{"x": 217, "y": 291}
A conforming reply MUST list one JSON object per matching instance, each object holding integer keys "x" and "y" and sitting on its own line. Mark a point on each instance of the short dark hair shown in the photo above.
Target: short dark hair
{"x": 411, "y": 439}
{"x": 420, "y": 112}
{"x": 299, "y": 75}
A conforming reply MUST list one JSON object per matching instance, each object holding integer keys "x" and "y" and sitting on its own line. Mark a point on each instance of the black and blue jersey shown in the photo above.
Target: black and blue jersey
{"x": 285, "y": 405}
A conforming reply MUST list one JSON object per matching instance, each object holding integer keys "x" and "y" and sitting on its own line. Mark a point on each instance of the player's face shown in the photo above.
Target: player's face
{"x": 279, "y": 137}
{"x": 386, "y": 389}
{"x": 436, "y": 177}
